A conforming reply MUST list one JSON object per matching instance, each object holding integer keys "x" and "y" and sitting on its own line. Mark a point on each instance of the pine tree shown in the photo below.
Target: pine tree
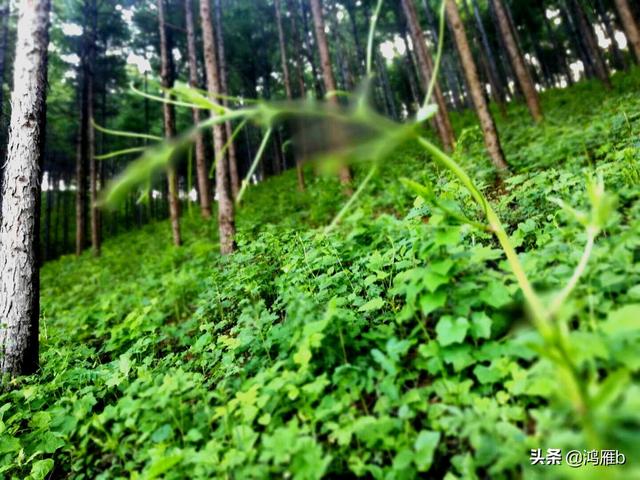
{"x": 19, "y": 224}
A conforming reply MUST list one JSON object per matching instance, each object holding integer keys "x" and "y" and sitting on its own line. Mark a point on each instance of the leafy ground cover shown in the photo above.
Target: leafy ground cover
{"x": 395, "y": 347}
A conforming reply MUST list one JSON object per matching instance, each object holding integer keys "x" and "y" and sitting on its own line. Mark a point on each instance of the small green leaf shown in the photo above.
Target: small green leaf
{"x": 450, "y": 330}
{"x": 375, "y": 304}
{"x": 40, "y": 469}
{"x": 425, "y": 448}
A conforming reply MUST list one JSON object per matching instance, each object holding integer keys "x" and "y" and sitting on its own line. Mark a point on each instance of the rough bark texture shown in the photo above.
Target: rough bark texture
{"x": 591, "y": 43}
{"x": 226, "y": 215}
{"x": 630, "y": 25}
{"x": 4, "y": 34}
{"x": 489, "y": 131}
{"x": 519, "y": 67}
{"x": 168, "y": 111}
{"x": 19, "y": 227}
{"x": 327, "y": 70}
{"x": 201, "y": 159}
{"x": 425, "y": 63}
{"x": 232, "y": 157}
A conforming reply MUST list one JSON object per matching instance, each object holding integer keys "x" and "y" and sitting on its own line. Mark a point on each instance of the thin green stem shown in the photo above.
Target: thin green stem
{"x": 577, "y": 273}
{"x": 245, "y": 182}
{"x": 227, "y": 145}
{"x": 436, "y": 68}
{"x": 352, "y": 199}
{"x": 372, "y": 32}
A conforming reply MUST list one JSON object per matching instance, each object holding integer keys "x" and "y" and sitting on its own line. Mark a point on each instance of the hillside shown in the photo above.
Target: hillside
{"x": 394, "y": 347}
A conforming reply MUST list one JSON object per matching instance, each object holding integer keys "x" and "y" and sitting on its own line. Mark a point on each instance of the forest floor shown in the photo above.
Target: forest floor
{"x": 396, "y": 345}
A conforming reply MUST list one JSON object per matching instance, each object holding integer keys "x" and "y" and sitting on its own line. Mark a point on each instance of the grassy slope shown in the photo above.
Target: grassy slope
{"x": 397, "y": 345}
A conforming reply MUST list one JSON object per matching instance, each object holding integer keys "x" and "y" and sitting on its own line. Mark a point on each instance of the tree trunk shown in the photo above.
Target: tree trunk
{"x": 327, "y": 73}
{"x": 200, "y": 152}
{"x": 169, "y": 114}
{"x": 490, "y": 133}
{"x": 91, "y": 134}
{"x": 298, "y": 45}
{"x": 232, "y": 157}
{"x": 226, "y": 215}
{"x": 4, "y": 36}
{"x": 425, "y": 63}
{"x": 20, "y": 220}
{"x": 616, "y": 55}
{"x": 310, "y": 48}
{"x": 574, "y": 37}
{"x": 520, "y": 68}
{"x": 287, "y": 82}
{"x": 81, "y": 181}
{"x": 499, "y": 93}
{"x": 589, "y": 37}
{"x": 630, "y": 25}
{"x": 557, "y": 47}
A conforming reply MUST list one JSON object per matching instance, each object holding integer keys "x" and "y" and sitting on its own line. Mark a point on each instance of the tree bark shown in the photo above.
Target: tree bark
{"x": 4, "y": 36}
{"x": 630, "y": 26}
{"x": 327, "y": 73}
{"x": 616, "y": 55}
{"x": 309, "y": 48}
{"x": 169, "y": 115}
{"x": 232, "y": 157}
{"x": 287, "y": 82}
{"x": 202, "y": 177}
{"x": 520, "y": 68}
{"x": 425, "y": 63}
{"x": 589, "y": 37}
{"x": 489, "y": 130}
{"x": 20, "y": 220}
{"x": 91, "y": 136}
{"x": 81, "y": 181}
{"x": 226, "y": 214}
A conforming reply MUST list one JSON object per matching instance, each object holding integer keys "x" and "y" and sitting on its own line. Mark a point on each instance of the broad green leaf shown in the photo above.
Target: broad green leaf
{"x": 425, "y": 449}
{"x": 451, "y": 330}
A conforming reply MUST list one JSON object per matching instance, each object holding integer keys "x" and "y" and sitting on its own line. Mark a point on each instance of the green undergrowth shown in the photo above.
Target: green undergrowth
{"x": 396, "y": 347}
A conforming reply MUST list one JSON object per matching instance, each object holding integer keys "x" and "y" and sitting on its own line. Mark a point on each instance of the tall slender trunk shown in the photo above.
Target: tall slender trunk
{"x": 327, "y": 72}
{"x": 232, "y": 157}
{"x": 81, "y": 160}
{"x": 494, "y": 76}
{"x": 520, "y": 68}
{"x": 226, "y": 214}
{"x": 574, "y": 38}
{"x": 287, "y": 82}
{"x": 201, "y": 157}
{"x": 361, "y": 56}
{"x": 630, "y": 26}
{"x": 91, "y": 136}
{"x": 309, "y": 48}
{"x": 489, "y": 130}
{"x": 425, "y": 63}
{"x": 616, "y": 55}
{"x": 591, "y": 43}
{"x": 169, "y": 114}
{"x": 298, "y": 46}
{"x": 557, "y": 47}
{"x": 20, "y": 219}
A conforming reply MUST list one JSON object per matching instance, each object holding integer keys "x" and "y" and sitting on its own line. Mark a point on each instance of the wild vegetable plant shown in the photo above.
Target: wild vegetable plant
{"x": 384, "y": 137}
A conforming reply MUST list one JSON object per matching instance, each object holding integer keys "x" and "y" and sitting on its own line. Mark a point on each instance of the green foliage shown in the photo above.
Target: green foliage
{"x": 395, "y": 347}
